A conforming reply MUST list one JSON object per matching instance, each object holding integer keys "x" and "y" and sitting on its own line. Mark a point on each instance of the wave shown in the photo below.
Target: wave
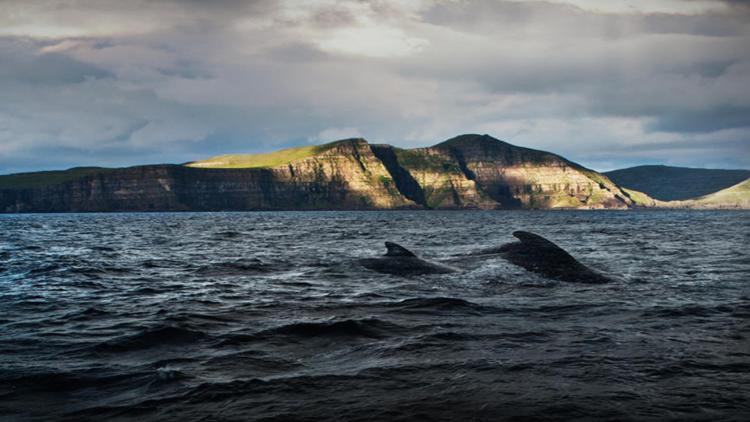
{"x": 439, "y": 304}
{"x": 153, "y": 337}
{"x": 686, "y": 311}
{"x": 46, "y": 269}
{"x": 227, "y": 234}
{"x": 67, "y": 381}
{"x": 103, "y": 249}
{"x": 86, "y": 314}
{"x": 78, "y": 267}
{"x": 439, "y": 340}
{"x": 97, "y": 272}
{"x": 256, "y": 362}
{"x": 238, "y": 267}
{"x": 167, "y": 375}
{"x": 373, "y": 328}
{"x": 564, "y": 309}
{"x": 452, "y": 336}
{"x": 350, "y": 328}
{"x": 695, "y": 367}
{"x": 162, "y": 263}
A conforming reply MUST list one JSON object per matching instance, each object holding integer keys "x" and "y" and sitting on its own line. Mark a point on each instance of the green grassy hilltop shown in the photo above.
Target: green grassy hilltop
{"x": 263, "y": 160}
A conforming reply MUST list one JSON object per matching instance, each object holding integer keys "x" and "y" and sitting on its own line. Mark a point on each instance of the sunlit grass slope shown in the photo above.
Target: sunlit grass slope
{"x": 737, "y": 195}
{"x": 265, "y": 160}
{"x": 639, "y": 198}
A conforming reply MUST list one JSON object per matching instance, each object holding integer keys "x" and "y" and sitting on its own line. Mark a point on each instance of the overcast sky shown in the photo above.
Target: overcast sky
{"x": 605, "y": 83}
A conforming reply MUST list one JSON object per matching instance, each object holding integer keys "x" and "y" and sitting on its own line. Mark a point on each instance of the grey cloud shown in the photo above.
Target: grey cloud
{"x": 682, "y": 80}
{"x": 43, "y": 68}
{"x": 491, "y": 16}
{"x": 297, "y": 52}
{"x": 708, "y": 68}
{"x": 713, "y": 25}
{"x": 333, "y": 17}
{"x": 726, "y": 149}
{"x": 703, "y": 121}
{"x": 738, "y": 3}
{"x": 234, "y": 76}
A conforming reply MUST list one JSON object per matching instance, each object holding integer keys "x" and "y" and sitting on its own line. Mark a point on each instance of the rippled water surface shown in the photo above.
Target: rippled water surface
{"x": 244, "y": 316}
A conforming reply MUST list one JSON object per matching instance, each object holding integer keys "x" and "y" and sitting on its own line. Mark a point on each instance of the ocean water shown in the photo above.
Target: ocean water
{"x": 268, "y": 316}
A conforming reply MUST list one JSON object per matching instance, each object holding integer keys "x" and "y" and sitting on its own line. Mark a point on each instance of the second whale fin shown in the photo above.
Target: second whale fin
{"x": 397, "y": 250}
{"x": 539, "y": 255}
{"x": 544, "y": 248}
{"x": 532, "y": 238}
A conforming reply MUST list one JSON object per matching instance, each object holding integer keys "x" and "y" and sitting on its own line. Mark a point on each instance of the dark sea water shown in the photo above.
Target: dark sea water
{"x": 268, "y": 316}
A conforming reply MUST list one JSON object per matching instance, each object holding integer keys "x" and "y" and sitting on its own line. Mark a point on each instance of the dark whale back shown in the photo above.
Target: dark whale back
{"x": 539, "y": 255}
{"x": 532, "y": 252}
{"x": 400, "y": 261}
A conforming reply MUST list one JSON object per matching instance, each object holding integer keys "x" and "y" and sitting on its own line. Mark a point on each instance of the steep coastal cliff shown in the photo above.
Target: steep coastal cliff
{"x": 469, "y": 171}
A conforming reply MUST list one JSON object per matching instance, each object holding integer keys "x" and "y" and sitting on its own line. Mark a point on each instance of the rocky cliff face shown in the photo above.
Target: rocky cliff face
{"x": 443, "y": 183}
{"x": 360, "y": 178}
{"x": 514, "y": 177}
{"x": 470, "y": 171}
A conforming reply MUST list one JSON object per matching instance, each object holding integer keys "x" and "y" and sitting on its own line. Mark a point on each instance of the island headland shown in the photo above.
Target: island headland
{"x": 466, "y": 172}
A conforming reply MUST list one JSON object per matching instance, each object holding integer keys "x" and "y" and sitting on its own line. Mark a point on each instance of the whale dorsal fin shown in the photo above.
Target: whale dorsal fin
{"x": 534, "y": 239}
{"x": 542, "y": 256}
{"x": 397, "y": 250}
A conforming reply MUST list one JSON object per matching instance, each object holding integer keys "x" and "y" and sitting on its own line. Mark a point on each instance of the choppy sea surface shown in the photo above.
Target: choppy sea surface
{"x": 268, "y": 316}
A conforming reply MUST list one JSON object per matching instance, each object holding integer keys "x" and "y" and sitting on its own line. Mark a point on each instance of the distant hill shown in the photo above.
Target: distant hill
{"x": 468, "y": 171}
{"x": 737, "y": 196}
{"x": 733, "y": 197}
{"x": 676, "y": 183}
